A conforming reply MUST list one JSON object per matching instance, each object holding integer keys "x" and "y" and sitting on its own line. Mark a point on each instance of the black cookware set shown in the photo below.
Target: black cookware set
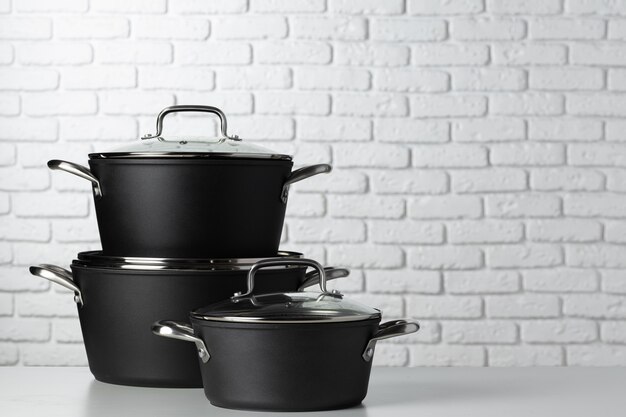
{"x": 190, "y": 230}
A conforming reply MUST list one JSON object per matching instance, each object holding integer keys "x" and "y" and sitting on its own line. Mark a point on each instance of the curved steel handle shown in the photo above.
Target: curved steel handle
{"x": 386, "y": 331}
{"x": 60, "y": 276}
{"x": 283, "y": 262}
{"x": 313, "y": 277}
{"x": 78, "y": 170}
{"x": 301, "y": 174}
{"x": 189, "y": 108}
{"x": 181, "y": 331}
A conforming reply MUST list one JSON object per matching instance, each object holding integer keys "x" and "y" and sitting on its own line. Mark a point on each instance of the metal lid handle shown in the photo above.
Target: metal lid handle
{"x": 189, "y": 108}
{"x": 282, "y": 262}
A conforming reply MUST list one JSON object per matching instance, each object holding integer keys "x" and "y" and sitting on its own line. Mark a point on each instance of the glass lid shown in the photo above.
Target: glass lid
{"x": 224, "y": 146}
{"x": 296, "y": 307}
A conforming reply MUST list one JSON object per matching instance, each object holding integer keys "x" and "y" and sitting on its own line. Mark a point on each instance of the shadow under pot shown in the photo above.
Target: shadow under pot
{"x": 190, "y": 197}
{"x": 295, "y": 351}
{"x": 118, "y": 299}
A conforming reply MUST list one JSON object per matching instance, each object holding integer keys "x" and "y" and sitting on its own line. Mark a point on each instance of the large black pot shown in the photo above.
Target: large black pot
{"x": 188, "y": 198}
{"x": 119, "y": 299}
{"x": 285, "y": 352}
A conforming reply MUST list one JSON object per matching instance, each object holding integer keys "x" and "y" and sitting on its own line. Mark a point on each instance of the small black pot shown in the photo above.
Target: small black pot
{"x": 118, "y": 300}
{"x": 190, "y": 198}
{"x": 285, "y": 352}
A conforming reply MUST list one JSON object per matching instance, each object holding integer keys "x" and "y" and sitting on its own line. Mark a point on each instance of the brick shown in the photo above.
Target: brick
{"x": 375, "y": 55}
{"x": 288, "y": 6}
{"x": 617, "y": 80}
{"x": 558, "y": 331}
{"x": 60, "y": 103}
{"x": 38, "y": 6}
{"x": 313, "y": 153}
{"x": 26, "y": 230}
{"x": 528, "y": 54}
{"x": 254, "y": 78}
{"x": 24, "y": 330}
{"x": 136, "y": 6}
{"x": 51, "y": 304}
{"x": 9, "y": 354}
{"x": 596, "y": 105}
{"x": 67, "y": 331}
{"x": 404, "y": 130}
{"x": 54, "y": 53}
{"x": 403, "y": 231}
{"x": 516, "y": 356}
{"x": 91, "y": 78}
{"x": 27, "y": 129}
{"x": 524, "y": 256}
{"x": 449, "y": 156}
{"x": 599, "y": 306}
{"x": 444, "y": 306}
{"x": 6, "y": 254}
{"x": 613, "y": 282}
{"x": 481, "y": 231}
{"x": 564, "y": 129}
{"x": 292, "y": 103}
{"x": 205, "y": 53}
{"x": 566, "y": 78}
{"x": 596, "y": 355}
{"x": 589, "y": 205}
{"x": 615, "y": 231}
{"x": 170, "y": 28}
{"x": 522, "y": 306}
{"x": 468, "y": 332}
{"x": 481, "y": 282}
{"x": 373, "y": 207}
{"x": 337, "y": 28}
{"x": 488, "y": 180}
{"x": 378, "y": 105}
{"x": 28, "y": 79}
{"x": 7, "y": 54}
{"x": 411, "y": 80}
{"x": 371, "y": 155}
{"x": 613, "y": 332}
{"x": 327, "y": 231}
{"x": 597, "y": 54}
{"x": 92, "y": 27}
{"x": 603, "y": 7}
{"x": 18, "y": 279}
{"x": 9, "y": 104}
{"x": 527, "y": 104}
{"x": 177, "y": 78}
{"x": 603, "y": 256}
{"x": 133, "y": 52}
{"x": 560, "y": 280}
{"x": 445, "y": 207}
{"x": 617, "y": 30}
{"x": 524, "y": 7}
{"x": 450, "y": 55}
{"x": 566, "y": 179}
{"x": 334, "y": 128}
{"x": 366, "y": 7}
{"x": 21, "y": 28}
{"x": 566, "y": 29}
{"x": 75, "y": 230}
{"x": 231, "y": 102}
{"x": 488, "y": 79}
{"x": 366, "y": 256}
{"x": 5, "y": 203}
{"x": 342, "y": 182}
{"x": 435, "y": 7}
{"x": 50, "y": 204}
{"x": 331, "y": 78}
{"x": 402, "y": 282}
{"x": 53, "y": 354}
{"x": 213, "y": 6}
{"x": 429, "y": 332}
{"x": 448, "y": 106}
{"x": 525, "y": 154}
{"x": 564, "y": 230}
{"x": 488, "y": 29}
{"x": 306, "y": 205}
{"x": 265, "y": 127}
{"x": 443, "y": 355}
{"x": 446, "y": 257}
{"x": 488, "y": 130}
{"x": 523, "y": 205}
{"x": 410, "y": 181}
{"x": 6, "y": 304}
{"x": 407, "y": 30}
{"x": 7, "y": 154}
{"x": 390, "y": 355}
{"x": 134, "y": 102}
{"x": 615, "y": 130}
{"x": 290, "y": 53}
{"x": 19, "y": 179}
{"x": 98, "y": 127}
{"x": 244, "y": 27}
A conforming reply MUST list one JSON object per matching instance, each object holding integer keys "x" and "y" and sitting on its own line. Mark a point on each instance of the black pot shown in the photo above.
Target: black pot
{"x": 285, "y": 352}
{"x": 190, "y": 198}
{"x": 119, "y": 299}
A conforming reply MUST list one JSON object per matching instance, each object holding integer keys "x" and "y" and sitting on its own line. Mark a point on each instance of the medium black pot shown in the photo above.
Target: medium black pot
{"x": 285, "y": 352}
{"x": 188, "y": 198}
{"x": 119, "y": 299}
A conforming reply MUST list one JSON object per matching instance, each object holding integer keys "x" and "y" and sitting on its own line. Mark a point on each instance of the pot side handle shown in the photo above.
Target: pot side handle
{"x": 78, "y": 170}
{"x": 60, "y": 276}
{"x": 301, "y": 174}
{"x": 181, "y": 331}
{"x": 313, "y": 277}
{"x": 388, "y": 330}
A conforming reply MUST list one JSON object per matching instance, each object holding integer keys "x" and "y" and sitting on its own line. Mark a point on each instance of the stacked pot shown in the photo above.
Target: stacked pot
{"x": 185, "y": 223}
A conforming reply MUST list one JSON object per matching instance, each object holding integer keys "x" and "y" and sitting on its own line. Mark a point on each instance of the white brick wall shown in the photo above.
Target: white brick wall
{"x": 478, "y": 146}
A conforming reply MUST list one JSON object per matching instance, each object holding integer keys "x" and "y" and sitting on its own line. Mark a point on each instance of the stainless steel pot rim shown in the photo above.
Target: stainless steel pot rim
{"x": 305, "y": 321}
{"x": 97, "y": 259}
{"x": 199, "y": 155}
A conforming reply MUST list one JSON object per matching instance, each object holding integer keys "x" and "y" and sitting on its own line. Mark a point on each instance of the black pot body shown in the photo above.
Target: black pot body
{"x": 285, "y": 367}
{"x": 121, "y": 305}
{"x": 190, "y": 208}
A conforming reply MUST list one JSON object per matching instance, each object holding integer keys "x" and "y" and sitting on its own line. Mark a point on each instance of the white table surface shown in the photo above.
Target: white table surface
{"x": 393, "y": 392}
